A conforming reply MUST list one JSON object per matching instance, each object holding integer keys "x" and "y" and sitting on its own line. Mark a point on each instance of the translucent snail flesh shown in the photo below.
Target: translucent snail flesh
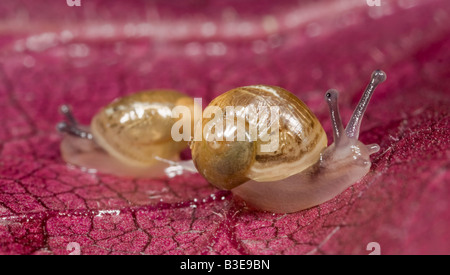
{"x": 127, "y": 136}
{"x": 302, "y": 172}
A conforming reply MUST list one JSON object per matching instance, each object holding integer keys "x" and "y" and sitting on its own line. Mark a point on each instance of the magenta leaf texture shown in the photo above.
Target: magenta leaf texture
{"x": 86, "y": 56}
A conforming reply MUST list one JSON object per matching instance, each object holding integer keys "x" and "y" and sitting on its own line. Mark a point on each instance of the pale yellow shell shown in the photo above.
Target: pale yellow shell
{"x": 301, "y": 138}
{"x": 137, "y": 128}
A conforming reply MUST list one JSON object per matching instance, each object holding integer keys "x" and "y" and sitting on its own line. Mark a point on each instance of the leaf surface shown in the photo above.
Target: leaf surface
{"x": 87, "y": 56}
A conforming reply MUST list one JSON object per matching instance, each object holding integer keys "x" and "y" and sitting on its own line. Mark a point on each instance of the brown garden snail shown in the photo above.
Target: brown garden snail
{"x": 128, "y": 136}
{"x": 301, "y": 172}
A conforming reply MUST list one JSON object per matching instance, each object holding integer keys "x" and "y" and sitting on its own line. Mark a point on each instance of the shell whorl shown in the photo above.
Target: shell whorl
{"x": 136, "y": 128}
{"x": 301, "y": 138}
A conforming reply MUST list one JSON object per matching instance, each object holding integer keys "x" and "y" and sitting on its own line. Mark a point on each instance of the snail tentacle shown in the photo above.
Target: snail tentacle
{"x": 331, "y": 97}
{"x": 373, "y": 148}
{"x": 72, "y": 127}
{"x": 73, "y": 130}
{"x": 66, "y": 110}
{"x": 352, "y": 129}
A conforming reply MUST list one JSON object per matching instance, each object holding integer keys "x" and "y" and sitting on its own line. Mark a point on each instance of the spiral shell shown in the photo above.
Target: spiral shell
{"x": 228, "y": 163}
{"x": 136, "y": 128}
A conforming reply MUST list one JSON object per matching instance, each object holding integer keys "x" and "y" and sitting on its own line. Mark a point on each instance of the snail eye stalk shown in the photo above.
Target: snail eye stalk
{"x": 352, "y": 129}
{"x": 71, "y": 127}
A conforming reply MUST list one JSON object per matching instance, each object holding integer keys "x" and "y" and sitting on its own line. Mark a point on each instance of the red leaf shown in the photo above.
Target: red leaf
{"x": 88, "y": 55}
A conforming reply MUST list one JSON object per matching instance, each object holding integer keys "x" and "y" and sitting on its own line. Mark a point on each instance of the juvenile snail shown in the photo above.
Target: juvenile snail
{"x": 130, "y": 136}
{"x": 302, "y": 172}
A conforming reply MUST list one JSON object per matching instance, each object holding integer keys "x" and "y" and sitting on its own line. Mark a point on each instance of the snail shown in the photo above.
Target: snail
{"x": 301, "y": 172}
{"x": 131, "y": 136}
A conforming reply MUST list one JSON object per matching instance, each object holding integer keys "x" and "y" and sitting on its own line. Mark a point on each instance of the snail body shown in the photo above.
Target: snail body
{"x": 312, "y": 174}
{"x": 127, "y": 136}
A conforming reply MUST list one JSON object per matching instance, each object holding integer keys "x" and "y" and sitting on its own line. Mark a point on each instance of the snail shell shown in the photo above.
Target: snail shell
{"x": 227, "y": 164}
{"x": 136, "y": 128}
